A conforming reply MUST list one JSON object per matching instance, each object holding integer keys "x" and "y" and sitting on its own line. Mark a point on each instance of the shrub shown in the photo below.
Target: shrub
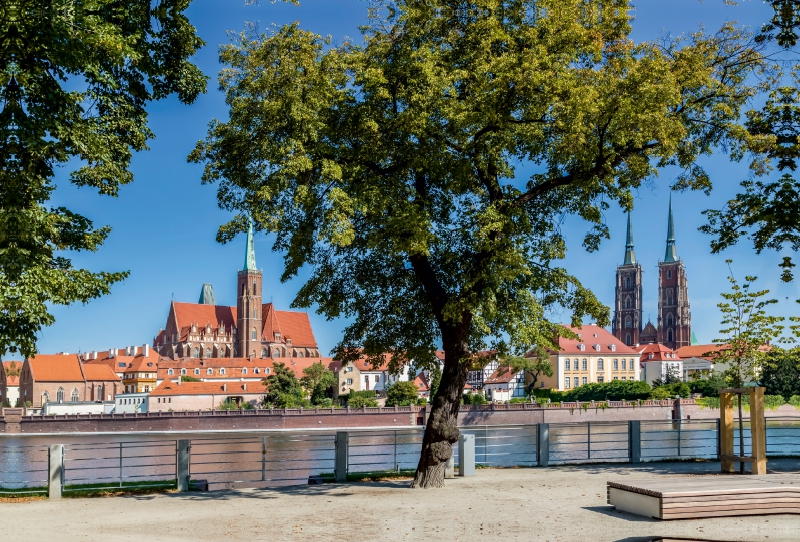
{"x": 771, "y": 402}
{"x": 358, "y": 402}
{"x": 402, "y": 394}
{"x": 187, "y": 378}
{"x": 615, "y": 390}
{"x": 681, "y": 389}
{"x": 660, "y": 394}
{"x": 517, "y": 400}
{"x": 473, "y": 399}
{"x": 708, "y": 387}
{"x": 367, "y": 394}
{"x": 422, "y": 401}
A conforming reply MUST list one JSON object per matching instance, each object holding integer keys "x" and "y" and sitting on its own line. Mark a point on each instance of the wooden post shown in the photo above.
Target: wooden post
{"x": 726, "y": 430}
{"x": 758, "y": 436}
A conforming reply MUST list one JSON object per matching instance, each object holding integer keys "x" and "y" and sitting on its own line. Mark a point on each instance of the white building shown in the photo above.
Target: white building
{"x": 504, "y": 384}
{"x": 128, "y": 403}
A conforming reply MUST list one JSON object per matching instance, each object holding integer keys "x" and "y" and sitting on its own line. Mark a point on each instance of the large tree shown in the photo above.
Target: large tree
{"x": 75, "y": 78}
{"x": 422, "y": 175}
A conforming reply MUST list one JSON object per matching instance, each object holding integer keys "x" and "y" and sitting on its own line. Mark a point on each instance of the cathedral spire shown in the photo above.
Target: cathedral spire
{"x": 630, "y": 257}
{"x": 250, "y": 251}
{"x": 671, "y": 253}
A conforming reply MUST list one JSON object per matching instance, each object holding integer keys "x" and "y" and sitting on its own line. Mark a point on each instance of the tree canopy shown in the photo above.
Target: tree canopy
{"x": 402, "y": 394}
{"x": 75, "y": 80}
{"x": 317, "y": 379}
{"x": 283, "y": 388}
{"x": 392, "y": 168}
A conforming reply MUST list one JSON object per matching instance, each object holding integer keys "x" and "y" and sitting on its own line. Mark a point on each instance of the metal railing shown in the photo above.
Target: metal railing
{"x": 273, "y": 458}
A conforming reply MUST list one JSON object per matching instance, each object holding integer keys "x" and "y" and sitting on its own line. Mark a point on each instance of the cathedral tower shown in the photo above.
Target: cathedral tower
{"x": 627, "y": 323}
{"x": 248, "y": 303}
{"x": 674, "y": 316}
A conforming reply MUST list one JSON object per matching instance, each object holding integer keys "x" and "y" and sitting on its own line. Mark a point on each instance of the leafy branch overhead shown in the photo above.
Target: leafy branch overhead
{"x": 390, "y": 168}
{"x": 117, "y": 57}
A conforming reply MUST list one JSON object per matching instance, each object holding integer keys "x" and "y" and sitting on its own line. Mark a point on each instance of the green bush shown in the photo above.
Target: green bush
{"x": 402, "y": 394}
{"x": 358, "y": 402}
{"x": 473, "y": 399}
{"x": 661, "y": 393}
{"x": 708, "y": 387}
{"x": 772, "y": 402}
{"x": 367, "y": 394}
{"x": 517, "y": 400}
{"x": 794, "y": 400}
{"x": 615, "y": 390}
{"x": 230, "y": 405}
{"x": 681, "y": 389}
{"x": 422, "y": 401}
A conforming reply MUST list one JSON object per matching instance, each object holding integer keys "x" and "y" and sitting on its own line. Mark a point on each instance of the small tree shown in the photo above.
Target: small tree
{"x": 317, "y": 379}
{"x": 283, "y": 388}
{"x": 402, "y": 394}
{"x": 671, "y": 376}
{"x": 746, "y": 329}
{"x": 359, "y": 402}
{"x": 537, "y": 367}
{"x": 781, "y": 372}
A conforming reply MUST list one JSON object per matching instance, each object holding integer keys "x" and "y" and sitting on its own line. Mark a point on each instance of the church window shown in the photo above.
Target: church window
{"x": 244, "y": 370}
{"x": 170, "y": 372}
{"x": 255, "y": 312}
{"x": 210, "y": 371}
{"x": 669, "y": 335}
{"x": 627, "y": 282}
{"x": 45, "y": 398}
{"x": 195, "y": 352}
{"x": 669, "y": 273}
{"x": 584, "y": 364}
{"x": 275, "y": 353}
{"x": 208, "y": 352}
{"x": 197, "y": 371}
{"x": 299, "y": 353}
{"x": 242, "y": 288}
{"x": 183, "y": 371}
{"x": 600, "y": 364}
{"x": 60, "y": 395}
{"x": 616, "y": 364}
{"x": 255, "y": 292}
{"x": 222, "y": 371}
{"x": 75, "y": 397}
{"x": 628, "y": 321}
{"x": 253, "y": 334}
{"x": 264, "y": 353}
{"x": 627, "y": 302}
{"x": 628, "y": 339}
{"x": 669, "y": 320}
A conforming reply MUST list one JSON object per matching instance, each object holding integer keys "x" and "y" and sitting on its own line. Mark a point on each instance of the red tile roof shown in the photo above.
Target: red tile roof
{"x": 56, "y": 368}
{"x": 591, "y": 335}
{"x": 422, "y": 382}
{"x": 12, "y": 381}
{"x": 658, "y": 351}
{"x": 503, "y": 375}
{"x": 233, "y": 366}
{"x": 704, "y": 351}
{"x": 168, "y": 387}
{"x": 99, "y": 372}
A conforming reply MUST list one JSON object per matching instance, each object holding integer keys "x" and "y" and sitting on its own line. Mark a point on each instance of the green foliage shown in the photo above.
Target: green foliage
{"x": 517, "y": 400}
{"x": 230, "y": 405}
{"x": 436, "y": 379}
{"x": 780, "y": 373}
{"x": 772, "y": 402}
{"x": 708, "y": 402}
{"x": 670, "y": 391}
{"x": 317, "y": 380}
{"x": 746, "y": 329}
{"x": 672, "y": 376}
{"x": 187, "y": 378}
{"x": 536, "y": 367}
{"x": 367, "y": 394}
{"x": 708, "y": 387}
{"x": 474, "y": 399}
{"x": 794, "y": 400}
{"x": 359, "y": 402}
{"x": 283, "y": 388}
{"x": 661, "y": 393}
{"x": 615, "y": 390}
{"x": 75, "y": 80}
{"x": 402, "y": 394}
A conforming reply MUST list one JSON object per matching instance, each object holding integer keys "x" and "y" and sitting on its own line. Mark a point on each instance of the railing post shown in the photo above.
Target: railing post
{"x": 55, "y": 480}
{"x": 543, "y": 444}
{"x": 340, "y": 463}
{"x": 466, "y": 455}
{"x": 182, "y": 464}
{"x": 635, "y": 441}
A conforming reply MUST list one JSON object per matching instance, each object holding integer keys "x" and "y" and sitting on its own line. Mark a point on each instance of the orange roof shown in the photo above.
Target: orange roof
{"x": 657, "y": 352}
{"x": 589, "y": 336}
{"x": 12, "y": 381}
{"x": 502, "y": 375}
{"x": 56, "y": 368}
{"x": 233, "y": 366}
{"x": 99, "y": 372}
{"x": 704, "y": 351}
{"x": 422, "y": 382}
{"x": 168, "y": 387}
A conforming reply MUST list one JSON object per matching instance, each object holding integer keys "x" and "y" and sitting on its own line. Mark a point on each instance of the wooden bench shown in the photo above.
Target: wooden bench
{"x": 707, "y": 496}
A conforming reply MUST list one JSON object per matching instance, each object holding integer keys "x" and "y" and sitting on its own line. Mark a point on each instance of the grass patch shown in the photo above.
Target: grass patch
{"x": 23, "y": 494}
{"x": 374, "y": 476}
{"x": 143, "y": 487}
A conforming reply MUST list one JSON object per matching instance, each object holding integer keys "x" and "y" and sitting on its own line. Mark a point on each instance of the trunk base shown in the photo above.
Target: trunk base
{"x": 432, "y": 477}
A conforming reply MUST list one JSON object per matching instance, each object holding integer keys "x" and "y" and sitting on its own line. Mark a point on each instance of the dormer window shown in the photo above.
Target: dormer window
{"x": 581, "y": 347}
{"x": 613, "y": 347}
{"x": 597, "y": 347}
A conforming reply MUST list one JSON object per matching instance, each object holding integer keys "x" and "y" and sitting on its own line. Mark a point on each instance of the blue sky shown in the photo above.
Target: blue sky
{"x": 164, "y": 223}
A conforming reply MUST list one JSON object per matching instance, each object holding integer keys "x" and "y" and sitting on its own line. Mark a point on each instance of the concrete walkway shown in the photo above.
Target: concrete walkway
{"x": 556, "y": 503}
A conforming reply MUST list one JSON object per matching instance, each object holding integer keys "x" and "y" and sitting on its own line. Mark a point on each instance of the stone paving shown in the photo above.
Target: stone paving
{"x": 566, "y": 503}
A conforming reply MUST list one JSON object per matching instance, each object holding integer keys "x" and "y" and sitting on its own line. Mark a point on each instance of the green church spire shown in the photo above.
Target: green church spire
{"x": 250, "y": 251}
{"x": 671, "y": 254}
{"x": 630, "y": 257}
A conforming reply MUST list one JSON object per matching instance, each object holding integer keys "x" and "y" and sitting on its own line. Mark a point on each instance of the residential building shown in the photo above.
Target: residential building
{"x": 482, "y": 369}
{"x": 595, "y": 356}
{"x": 250, "y": 329}
{"x": 231, "y": 369}
{"x": 173, "y": 396}
{"x": 129, "y": 403}
{"x": 504, "y": 384}
{"x": 657, "y": 361}
{"x": 362, "y": 375}
{"x": 136, "y": 366}
{"x": 673, "y": 326}
{"x": 63, "y": 378}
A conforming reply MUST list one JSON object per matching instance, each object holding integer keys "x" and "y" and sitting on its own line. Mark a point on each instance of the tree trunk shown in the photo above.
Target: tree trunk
{"x": 442, "y": 429}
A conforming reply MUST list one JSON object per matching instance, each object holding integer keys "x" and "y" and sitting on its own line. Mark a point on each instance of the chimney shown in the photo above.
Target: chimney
{"x": 244, "y": 386}
{"x": 179, "y": 380}
{"x": 146, "y": 350}
{"x": 224, "y": 386}
{"x": 94, "y": 354}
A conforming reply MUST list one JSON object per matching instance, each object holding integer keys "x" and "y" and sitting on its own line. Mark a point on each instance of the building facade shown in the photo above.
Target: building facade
{"x": 62, "y": 378}
{"x": 673, "y": 327}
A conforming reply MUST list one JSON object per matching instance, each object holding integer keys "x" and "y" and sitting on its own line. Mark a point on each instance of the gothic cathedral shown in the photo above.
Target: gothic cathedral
{"x": 674, "y": 316}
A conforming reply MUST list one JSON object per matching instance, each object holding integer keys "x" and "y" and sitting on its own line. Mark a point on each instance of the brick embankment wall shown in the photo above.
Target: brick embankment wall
{"x": 513, "y": 414}
{"x": 216, "y": 421}
{"x": 696, "y": 412}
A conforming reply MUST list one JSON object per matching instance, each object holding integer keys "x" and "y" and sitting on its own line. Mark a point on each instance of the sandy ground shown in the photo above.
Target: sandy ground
{"x": 556, "y": 503}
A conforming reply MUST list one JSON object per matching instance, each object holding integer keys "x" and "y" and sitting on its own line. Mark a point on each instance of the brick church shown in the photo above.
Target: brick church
{"x": 250, "y": 329}
{"x": 673, "y": 326}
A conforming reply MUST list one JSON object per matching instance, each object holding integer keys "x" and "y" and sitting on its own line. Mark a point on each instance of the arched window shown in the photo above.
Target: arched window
{"x": 669, "y": 320}
{"x": 183, "y": 371}
{"x": 669, "y": 335}
{"x": 299, "y": 353}
{"x": 623, "y": 364}
{"x": 585, "y": 364}
{"x": 264, "y": 353}
{"x": 627, "y": 302}
{"x": 628, "y": 321}
{"x": 628, "y": 282}
{"x": 244, "y": 370}
{"x": 275, "y": 353}
{"x": 255, "y": 312}
{"x": 266, "y": 371}
{"x": 669, "y": 273}
{"x": 600, "y": 364}
{"x": 222, "y": 371}
{"x": 255, "y": 290}
{"x": 566, "y": 364}
{"x": 253, "y": 334}
{"x": 60, "y": 395}
{"x": 616, "y": 364}
{"x": 208, "y": 352}
{"x": 195, "y": 352}
{"x": 170, "y": 372}
{"x": 257, "y": 371}
{"x": 75, "y": 398}
{"x": 628, "y": 339}
{"x": 210, "y": 371}
{"x": 197, "y": 371}
{"x": 45, "y": 398}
